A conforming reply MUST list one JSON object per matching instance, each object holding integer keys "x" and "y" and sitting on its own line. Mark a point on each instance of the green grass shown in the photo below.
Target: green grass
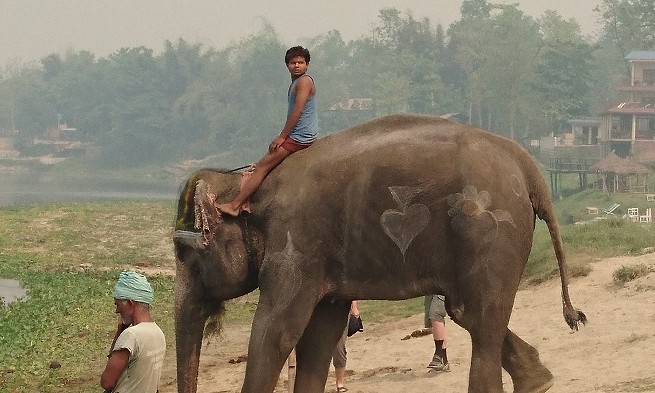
{"x": 585, "y": 244}
{"x": 381, "y": 311}
{"x": 68, "y": 318}
{"x": 69, "y": 256}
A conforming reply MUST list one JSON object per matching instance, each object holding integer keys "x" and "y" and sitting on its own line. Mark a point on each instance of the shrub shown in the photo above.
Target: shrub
{"x": 626, "y": 274}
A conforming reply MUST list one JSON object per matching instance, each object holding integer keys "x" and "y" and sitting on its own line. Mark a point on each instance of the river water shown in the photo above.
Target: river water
{"x": 22, "y": 189}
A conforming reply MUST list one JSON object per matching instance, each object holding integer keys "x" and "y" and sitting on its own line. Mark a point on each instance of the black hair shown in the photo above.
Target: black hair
{"x": 296, "y": 51}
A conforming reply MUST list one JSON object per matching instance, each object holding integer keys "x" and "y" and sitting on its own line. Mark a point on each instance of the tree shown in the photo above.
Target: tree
{"x": 405, "y": 58}
{"x": 472, "y": 10}
{"x": 78, "y": 88}
{"x": 332, "y": 70}
{"x": 512, "y": 51}
{"x": 138, "y": 117}
{"x": 563, "y": 71}
{"x": 630, "y": 24}
{"x": 52, "y": 66}
{"x": 181, "y": 64}
{"x": 466, "y": 48}
{"x": 30, "y": 111}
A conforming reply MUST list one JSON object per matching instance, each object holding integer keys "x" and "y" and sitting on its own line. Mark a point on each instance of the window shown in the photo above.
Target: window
{"x": 649, "y": 75}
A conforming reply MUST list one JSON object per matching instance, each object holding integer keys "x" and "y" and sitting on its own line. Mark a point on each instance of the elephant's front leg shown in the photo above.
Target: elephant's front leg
{"x": 279, "y": 322}
{"x": 316, "y": 347}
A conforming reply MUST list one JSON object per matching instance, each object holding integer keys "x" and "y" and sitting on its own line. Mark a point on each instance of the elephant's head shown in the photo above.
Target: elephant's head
{"x": 224, "y": 256}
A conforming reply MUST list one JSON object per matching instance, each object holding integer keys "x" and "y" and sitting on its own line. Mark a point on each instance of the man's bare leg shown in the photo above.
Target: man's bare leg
{"x": 340, "y": 377}
{"x": 438, "y": 331}
{"x": 263, "y": 167}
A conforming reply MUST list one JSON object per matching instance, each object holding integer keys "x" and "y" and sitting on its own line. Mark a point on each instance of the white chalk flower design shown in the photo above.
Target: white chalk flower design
{"x": 470, "y": 203}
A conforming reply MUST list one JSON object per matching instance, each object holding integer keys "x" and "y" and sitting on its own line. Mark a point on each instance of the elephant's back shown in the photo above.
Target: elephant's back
{"x": 427, "y": 152}
{"x": 405, "y": 140}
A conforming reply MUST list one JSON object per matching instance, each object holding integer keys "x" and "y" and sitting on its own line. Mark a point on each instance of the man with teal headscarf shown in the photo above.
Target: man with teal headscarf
{"x": 137, "y": 353}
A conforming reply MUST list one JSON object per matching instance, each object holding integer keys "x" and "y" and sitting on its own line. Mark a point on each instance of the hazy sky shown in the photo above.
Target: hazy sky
{"x": 31, "y": 29}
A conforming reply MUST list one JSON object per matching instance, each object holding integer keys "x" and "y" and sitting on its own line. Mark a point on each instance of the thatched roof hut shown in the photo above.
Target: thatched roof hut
{"x": 626, "y": 169}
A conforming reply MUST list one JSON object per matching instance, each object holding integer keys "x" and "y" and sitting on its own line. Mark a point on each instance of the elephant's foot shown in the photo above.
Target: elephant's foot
{"x": 535, "y": 383}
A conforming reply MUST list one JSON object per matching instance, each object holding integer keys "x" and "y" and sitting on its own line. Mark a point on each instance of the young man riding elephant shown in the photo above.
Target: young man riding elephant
{"x": 298, "y": 132}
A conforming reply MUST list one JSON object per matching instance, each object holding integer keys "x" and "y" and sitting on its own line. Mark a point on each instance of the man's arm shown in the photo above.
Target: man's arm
{"x": 304, "y": 89}
{"x": 115, "y": 366}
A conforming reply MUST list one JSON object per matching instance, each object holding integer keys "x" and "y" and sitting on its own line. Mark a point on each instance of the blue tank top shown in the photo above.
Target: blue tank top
{"x": 307, "y": 127}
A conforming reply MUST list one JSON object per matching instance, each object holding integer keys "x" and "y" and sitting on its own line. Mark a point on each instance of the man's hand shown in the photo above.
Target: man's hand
{"x": 277, "y": 142}
{"x": 119, "y": 329}
{"x": 121, "y": 326}
{"x": 354, "y": 310}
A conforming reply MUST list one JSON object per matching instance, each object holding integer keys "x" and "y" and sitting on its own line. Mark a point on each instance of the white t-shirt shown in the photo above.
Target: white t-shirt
{"x": 147, "y": 346}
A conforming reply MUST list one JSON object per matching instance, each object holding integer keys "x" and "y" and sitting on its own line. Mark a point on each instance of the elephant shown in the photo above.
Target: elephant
{"x": 393, "y": 208}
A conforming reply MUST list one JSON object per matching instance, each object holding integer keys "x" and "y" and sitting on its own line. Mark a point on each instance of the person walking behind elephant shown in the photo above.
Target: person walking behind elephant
{"x": 137, "y": 353}
{"x": 298, "y": 133}
{"x": 339, "y": 356}
{"x": 435, "y": 318}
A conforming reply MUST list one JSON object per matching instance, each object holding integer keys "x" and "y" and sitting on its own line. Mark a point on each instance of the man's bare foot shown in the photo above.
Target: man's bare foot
{"x": 228, "y": 209}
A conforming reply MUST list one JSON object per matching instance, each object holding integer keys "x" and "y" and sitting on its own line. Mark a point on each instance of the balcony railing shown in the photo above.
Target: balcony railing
{"x": 646, "y": 108}
{"x": 621, "y": 134}
{"x": 625, "y": 84}
{"x": 571, "y": 164}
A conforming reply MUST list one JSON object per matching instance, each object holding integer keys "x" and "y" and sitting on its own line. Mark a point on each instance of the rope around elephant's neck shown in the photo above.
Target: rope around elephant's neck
{"x": 239, "y": 168}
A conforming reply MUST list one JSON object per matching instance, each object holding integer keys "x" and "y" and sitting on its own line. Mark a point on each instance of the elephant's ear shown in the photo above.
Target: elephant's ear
{"x": 206, "y": 215}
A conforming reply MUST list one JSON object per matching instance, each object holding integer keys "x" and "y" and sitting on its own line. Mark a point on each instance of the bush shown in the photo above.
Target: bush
{"x": 626, "y": 274}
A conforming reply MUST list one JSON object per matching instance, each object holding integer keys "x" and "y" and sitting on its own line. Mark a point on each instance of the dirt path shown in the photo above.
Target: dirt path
{"x": 615, "y": 352}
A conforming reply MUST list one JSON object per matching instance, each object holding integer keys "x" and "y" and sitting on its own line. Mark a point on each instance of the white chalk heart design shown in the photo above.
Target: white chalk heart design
{"x": 403, "y": 226}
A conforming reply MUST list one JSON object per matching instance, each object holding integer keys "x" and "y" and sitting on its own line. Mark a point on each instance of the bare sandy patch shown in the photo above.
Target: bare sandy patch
{"x": 615, "y": 352}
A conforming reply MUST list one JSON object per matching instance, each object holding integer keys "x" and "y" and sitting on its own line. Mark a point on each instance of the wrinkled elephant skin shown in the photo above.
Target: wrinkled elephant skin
{"x": 395, "y": 208}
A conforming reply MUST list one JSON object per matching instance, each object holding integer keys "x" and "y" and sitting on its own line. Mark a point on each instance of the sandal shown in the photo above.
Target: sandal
{"x": 342, "y": 389}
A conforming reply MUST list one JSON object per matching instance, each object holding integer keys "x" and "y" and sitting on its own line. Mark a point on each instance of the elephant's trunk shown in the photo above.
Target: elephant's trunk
{"x": 190, "y": 318}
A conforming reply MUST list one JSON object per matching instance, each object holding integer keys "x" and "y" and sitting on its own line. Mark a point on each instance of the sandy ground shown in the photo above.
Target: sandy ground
{"x": 615, "y": 352}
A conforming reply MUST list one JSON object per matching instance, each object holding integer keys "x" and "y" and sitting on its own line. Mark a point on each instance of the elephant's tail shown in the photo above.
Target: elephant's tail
{"x": 543, "y": 208}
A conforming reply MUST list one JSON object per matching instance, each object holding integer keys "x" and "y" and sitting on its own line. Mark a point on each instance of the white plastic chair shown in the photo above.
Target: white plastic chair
{"x": 633, "y": 214}
{"x": 610, "y": 210}
{"x": 646, "y": 217}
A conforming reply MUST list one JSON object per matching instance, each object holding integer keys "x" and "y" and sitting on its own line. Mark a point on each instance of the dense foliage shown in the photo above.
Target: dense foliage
{"x": 499, "y": 68}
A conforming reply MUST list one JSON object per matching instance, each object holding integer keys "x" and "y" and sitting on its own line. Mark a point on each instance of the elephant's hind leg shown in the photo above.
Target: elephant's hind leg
{"x": 522, "y": 363}
{"x": 316, "y": 346}
{"x": 487, "y": 336}
{"x": 485, "y": 317}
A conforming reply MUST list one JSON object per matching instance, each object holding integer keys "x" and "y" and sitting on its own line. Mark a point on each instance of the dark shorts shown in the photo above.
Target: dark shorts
{"x": 293, "y": 146}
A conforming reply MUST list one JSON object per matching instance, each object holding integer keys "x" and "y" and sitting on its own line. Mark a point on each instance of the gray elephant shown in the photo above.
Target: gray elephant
{"x": 395, "y": 208}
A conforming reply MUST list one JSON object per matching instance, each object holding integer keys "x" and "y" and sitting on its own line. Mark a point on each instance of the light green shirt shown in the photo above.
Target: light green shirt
{"x": 147, "y": 346}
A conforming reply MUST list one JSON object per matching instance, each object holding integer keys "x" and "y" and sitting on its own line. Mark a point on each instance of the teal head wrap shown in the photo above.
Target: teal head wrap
{"x": 133, "y": 286}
